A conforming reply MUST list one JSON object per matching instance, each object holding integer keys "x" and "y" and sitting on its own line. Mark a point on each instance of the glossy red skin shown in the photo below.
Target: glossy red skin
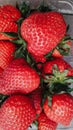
{"x": 10, "y": 12}
{"x": 62, "y": 65}
{"x": 47, "y": 29}
{"x": 1, "y": 70}
{"x": 6, "y": 53}
{"x": 62, "y": 109}
{"x": 44, "y": 123}
{"x": 17, "y": 113}
{"x": 19, "y": 79}
{"x": 20, "y": 61}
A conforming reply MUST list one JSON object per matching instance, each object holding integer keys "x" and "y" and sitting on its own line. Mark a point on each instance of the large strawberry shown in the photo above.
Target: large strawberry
{"x": 47, "y": 29}
{"x": 6, "y": 53}
{"x": 44, "y": 123}
{"x": 17, "y": 113}
{"x": 19, "y": 78}
{"x": 10, "y": 12}
{"x": 61, "y": 110}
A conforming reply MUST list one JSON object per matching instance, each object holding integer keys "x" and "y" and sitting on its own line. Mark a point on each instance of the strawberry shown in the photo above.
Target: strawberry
{"x": 36, "y": 97}
{"x": 6, "y": 25}
{"x": 61, "y": 63}
{"x": 62, "y": 49}
{"x": 19, "y": 61}
{"x": 6, "y": 53}
{"x": 19, "y": 78}
{"x": 56, "y": 54}
{"x": 45, "y": 123}
{"x": 10, "y": 12}
{"x": 8, "y": 17}
{"x": 56, "y": 73}
{"x": 16, "y": 113}
{"x": 43, "y": 37}
{"x": 61, "y": 110}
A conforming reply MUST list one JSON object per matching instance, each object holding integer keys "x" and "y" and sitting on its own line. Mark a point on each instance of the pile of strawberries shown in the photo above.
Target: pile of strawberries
{"x": 34, "y": 77}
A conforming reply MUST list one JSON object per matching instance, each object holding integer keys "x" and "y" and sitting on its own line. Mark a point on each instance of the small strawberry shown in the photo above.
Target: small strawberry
{"x": 61, "y": 64}
{"x": 47, "y": 29}
{"x": 56, "y": 54}
{"x": 20, "y": 61}
{"x": 19, "y": 78}
{"x": 10, "y": 12}
{"x": 17, "y": 113}
{"x": 57, "y": 71}
{"x": 36, "y": 97}
{"x": 62, "y": 49}
{"x": 61, "y": 110}
{"x": 44, "y": 123}
{"x": 6, "y": 53}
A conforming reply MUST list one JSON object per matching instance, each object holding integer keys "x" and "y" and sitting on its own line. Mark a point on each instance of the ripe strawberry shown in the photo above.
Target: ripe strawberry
{"x": 47, "y": 29}
{"x": 56, "y": 54}
{"x": 6, "y": 25}
{"x": 36, "y": 97}
{"x": 39, "y": 59}
{"x": 19, "y": 79}
{"x": 61, "y": 63}
{"x": 20, "y": 61}
{"x": 17, "y": 113}
{"x": 61, "y": 110}
{"x": 6, "y": 53}
{"x": 10, "y": 12}
{"x": 65, "y": 47}
{"x": 45, "y": 123}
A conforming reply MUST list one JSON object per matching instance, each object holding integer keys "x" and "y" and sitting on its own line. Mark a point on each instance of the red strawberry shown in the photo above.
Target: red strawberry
{"x": 47, "y": 29}
{"x": 61, "y": 63}
{"x": 39, "y": 59}
{"x": 6, "y": 25}
{"x": 45, "y": 123}
{"x": 19, "y": 79}
{"x": 19, "y": 61}
{"x": 10, "y": 12}
{"x": 57, "y": 54}
{"x": 61, "y": 110}
{"x": 6, "y": 53}
{"x": 17, "y": 113}
{"x": 65, "y": 47}
{"x": 36, "y": 97}
{"x": 8, "y": 16}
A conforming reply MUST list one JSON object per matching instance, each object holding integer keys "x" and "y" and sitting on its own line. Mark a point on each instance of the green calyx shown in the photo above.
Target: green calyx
{"x": 58, "y": 77}
{"x": 58, "y": 82}
{"x": 3, "y": 98}
{"x": 63, "y": 47}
